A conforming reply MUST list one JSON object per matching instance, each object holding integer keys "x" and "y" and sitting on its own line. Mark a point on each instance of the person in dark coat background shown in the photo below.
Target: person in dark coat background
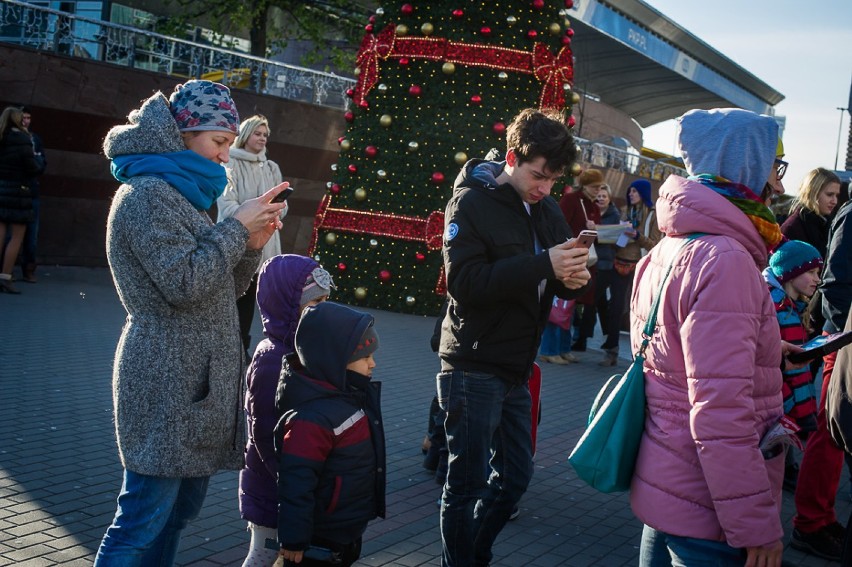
{"x": 287, "y": 284}
{"x": 18, "y": 165}
{"x": 582, "y": 213}
{"x": 330, "y": 438}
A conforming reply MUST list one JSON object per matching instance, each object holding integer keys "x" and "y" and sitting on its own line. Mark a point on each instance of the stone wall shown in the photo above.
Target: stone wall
{"x": 76, "y": 101}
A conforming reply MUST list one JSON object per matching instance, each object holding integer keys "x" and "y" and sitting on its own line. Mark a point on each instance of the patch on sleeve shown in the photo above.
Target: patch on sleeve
{"x": 452, "y": 231}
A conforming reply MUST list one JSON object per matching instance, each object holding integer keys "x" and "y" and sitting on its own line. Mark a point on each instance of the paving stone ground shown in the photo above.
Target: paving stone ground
{"x": 60, "y": 474}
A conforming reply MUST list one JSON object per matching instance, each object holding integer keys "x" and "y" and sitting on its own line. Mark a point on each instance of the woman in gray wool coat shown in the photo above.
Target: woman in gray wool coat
{"x": 177, "y": 377}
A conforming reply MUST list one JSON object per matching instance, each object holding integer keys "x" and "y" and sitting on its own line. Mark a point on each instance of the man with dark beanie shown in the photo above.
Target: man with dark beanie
{"x": 330, "y": 440}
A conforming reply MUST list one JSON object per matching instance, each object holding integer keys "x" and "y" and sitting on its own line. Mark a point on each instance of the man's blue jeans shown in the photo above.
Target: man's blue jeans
{"x": 488, "y": 427}
{"x": 660, "y": 549}
{"x": 152, "y": 512}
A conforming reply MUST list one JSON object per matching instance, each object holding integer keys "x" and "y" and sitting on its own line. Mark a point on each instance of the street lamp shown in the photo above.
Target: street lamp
{"x": 839, "y": 130}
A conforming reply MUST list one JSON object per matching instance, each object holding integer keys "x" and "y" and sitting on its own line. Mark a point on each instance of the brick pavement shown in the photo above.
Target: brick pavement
{"x": 59, "y": 470}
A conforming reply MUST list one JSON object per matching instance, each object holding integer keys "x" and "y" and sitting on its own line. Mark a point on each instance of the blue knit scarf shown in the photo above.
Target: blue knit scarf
{"x": 197, "y": 178}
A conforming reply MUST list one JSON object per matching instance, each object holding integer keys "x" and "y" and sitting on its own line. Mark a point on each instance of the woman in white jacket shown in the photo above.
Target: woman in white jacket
{"x": 250, "y": 175}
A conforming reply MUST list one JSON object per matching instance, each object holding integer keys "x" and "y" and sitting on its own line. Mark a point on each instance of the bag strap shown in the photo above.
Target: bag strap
{"x": 651, "y": 323}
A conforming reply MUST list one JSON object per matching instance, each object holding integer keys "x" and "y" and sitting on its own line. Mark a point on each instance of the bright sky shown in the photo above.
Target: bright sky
{"x": 801, "y": 48}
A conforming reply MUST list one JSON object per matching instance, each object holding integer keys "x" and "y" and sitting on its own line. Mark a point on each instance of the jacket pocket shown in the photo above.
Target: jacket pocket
{"x": 335, "y": 495}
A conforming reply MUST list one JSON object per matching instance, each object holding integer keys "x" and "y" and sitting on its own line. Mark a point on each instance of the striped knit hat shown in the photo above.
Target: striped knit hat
{"x": 792, "y": 259}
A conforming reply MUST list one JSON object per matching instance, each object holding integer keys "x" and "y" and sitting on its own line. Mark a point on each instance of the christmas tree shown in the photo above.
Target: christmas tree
{"x": 437, "y": 82}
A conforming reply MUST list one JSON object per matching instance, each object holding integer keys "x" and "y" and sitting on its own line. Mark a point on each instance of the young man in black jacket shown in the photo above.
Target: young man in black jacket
{"x": 507, "y": 252}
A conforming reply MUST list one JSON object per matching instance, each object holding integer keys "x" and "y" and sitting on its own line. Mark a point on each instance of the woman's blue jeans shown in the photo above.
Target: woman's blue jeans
{"x": 660, "y": 549}
{"x": 152, "y": 512}
{"x": 555, "y": 340}
{"x": 488, "y": 428}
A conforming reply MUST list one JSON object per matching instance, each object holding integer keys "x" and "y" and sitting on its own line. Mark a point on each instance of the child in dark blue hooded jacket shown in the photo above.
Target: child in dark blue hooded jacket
{"x": 330, "y": 440}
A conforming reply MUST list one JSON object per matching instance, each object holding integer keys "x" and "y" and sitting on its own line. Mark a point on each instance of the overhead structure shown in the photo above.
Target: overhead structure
{"x": 642, "y": 63}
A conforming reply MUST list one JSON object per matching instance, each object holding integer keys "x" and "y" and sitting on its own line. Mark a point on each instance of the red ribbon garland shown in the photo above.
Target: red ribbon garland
{"x": 552, "y": 70}
{"x": 429, "y": 231}
{"x": 372, "y": 48}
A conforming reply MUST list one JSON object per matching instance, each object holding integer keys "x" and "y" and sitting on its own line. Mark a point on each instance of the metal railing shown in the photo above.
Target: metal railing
{"x": 601, "y": 155}
{"x": 76, "y": 36}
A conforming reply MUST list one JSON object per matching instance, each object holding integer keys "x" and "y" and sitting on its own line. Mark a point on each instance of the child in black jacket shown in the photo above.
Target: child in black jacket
{"x": 330, "y": 440}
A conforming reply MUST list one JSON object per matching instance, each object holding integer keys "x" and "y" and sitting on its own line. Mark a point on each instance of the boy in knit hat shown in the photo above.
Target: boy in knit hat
{"x": 329, "y": 438}
{"x": 793, "y": 275}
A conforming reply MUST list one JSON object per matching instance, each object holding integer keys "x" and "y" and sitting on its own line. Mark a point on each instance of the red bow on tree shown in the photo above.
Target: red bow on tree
{"x": 554, "y": 72}
{"x": 372, "y": 48}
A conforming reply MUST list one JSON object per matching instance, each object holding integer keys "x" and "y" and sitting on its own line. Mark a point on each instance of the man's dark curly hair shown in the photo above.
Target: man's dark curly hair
{"x": 533, "y": 133}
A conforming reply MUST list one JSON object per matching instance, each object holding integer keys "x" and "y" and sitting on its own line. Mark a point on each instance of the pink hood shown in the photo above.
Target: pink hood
{"x": 713, "y": 383}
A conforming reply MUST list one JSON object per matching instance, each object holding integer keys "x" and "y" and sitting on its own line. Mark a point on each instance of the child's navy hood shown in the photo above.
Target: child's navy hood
{"x": 325, "y": 339}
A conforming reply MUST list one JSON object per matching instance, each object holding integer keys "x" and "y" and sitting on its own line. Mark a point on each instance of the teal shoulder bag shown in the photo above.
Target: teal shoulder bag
{"x": 605, "y": 455}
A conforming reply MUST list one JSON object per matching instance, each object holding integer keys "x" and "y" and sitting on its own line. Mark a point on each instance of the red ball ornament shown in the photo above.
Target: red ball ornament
{"x": 371, "y": 151}
{"x": 437, "y": 178}
{"x": 350, "y": 92}
{"x": 569, "y": 4}
{"x": 485, "y": 30}
{"x": 353, "y": 169}
{"x": 349, "y": 116}
{"x": 458, "y": 14}
{"x": 340, "y": 139}
{"x": 569, "y": 32}
{"x": 384, "y": 275}
{"x": 499, "y": 128}
{"x": 538, "y": 5}
{"x": 532, "y": 34}
{"x": 335, "y": 189}
{"x": 372, "y": 19}
{"x": 364, "y": 105}
{"x": 341, "y": 267}
{"x": 403, "y": 61}
{"x": 572, "y": 121}
{"x": 406, "y": 9}
{"x": 415, "y": 90}
{"x": 420, "y": 257}
{"x": 476, "y": 99}
{"x": 566, "y": 40}
{"x": 368, "y": 28}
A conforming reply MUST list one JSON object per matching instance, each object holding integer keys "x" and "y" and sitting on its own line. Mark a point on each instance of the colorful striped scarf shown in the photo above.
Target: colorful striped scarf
{"x": 749, "y": 203}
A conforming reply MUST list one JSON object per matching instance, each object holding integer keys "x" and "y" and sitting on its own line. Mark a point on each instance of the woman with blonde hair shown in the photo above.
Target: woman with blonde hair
{"x": 250, "y": 174}
{"x": 813, "y": 209}
{"x": 18, "y": 163}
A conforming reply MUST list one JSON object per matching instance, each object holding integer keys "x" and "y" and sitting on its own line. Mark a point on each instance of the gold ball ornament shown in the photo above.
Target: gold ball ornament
{"x": 566, "y": 23}
{"x": 554, "y": 29}
{"x": 330, "y": 238}
{"x": 382, "y": 174}
{"x": 356, "y": 71}
{"x": 575, "y": 98}
{"x": 345, "y": 145}
{"x": 360, "y": 194}
{"x": 576, "y": 170}
{"x": 461, "y": 158}
{"x": 413, "y": 147}
{"x": 448, "y": 68}
{"x": 410, "y": 301}
{"x": 427, "y": 29}
{"x": 402, "y": 29}
{"x": 502, "y": 76}
{"x": 385, "y": 120}
{"x": 360, "y": 293}
{"x": 511, "y": 20}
